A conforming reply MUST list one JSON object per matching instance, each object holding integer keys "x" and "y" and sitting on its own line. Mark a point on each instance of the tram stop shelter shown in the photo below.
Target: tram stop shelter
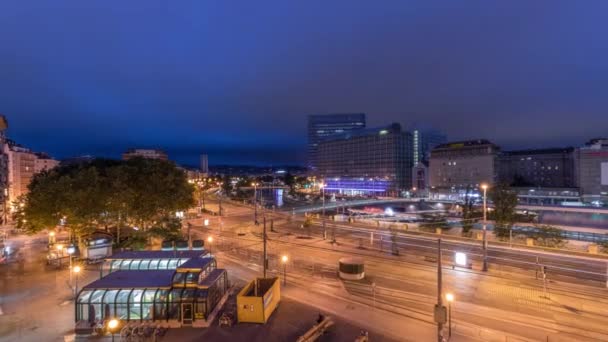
{"x": 181, "y": 288}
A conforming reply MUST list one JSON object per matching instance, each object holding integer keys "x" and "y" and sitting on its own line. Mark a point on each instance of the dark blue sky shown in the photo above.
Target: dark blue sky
{"x": 237, "y": 78}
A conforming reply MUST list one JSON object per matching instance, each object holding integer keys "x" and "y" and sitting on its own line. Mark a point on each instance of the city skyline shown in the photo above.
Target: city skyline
{"x": 225, "y": 81}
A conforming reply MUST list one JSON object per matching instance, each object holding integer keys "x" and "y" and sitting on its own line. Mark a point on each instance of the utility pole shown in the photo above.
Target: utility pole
{"x": 220, "y": 198}
{"x": 440, "y": 313}
{"x": 255, "y": 203}
{"x": 485, "y": 242}
{"x": 265, "y": 255}
{"x": 189, "y": 236}
{"x": 323, "y": 211}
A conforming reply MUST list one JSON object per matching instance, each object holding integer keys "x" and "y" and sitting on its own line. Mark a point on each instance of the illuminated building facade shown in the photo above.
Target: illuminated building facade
{"x": 370, "y": 161}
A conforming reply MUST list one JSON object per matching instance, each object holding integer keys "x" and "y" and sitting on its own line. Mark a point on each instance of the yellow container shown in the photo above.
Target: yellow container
{"x": 257, "y": 300}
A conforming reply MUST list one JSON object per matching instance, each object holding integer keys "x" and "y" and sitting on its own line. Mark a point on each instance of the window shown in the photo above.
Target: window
{"x": 122, "y": 311}
{"x": 135, "y": 304}
{"x": 153, "y": 264}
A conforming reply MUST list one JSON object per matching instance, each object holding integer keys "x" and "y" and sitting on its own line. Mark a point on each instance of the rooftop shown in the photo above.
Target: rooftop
{"x": 465, "y": 143}
{"x": 196, "y": 263}
{"x": 157, "y": 255}
{"x": 212, "y": 277}
{"x": 540, "y": 151}
{"x": 392, "y": 128}
{"x": 133, "y": 279}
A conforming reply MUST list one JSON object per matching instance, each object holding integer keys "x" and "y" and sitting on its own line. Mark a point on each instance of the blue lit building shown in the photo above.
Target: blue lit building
{"x": 374, "y": 161}
{"x": 321, "y": 127}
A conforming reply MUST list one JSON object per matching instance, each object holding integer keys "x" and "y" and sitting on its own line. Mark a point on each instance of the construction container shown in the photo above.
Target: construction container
{"x": 257, "y": 300}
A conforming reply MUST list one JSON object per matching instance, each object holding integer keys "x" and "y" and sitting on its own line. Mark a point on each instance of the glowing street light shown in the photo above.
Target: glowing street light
{"x": 76, "y": 270}
{"x": 284, "y": 260}
{"x": 51, "y": 237}
{"x": 255, "y": 202}
{"x": 484, "y": 187}
{"x": 210, "y": 241}
{"x": 112, "y": 325}
{"x": 322, "y": 187}
{"x": 450, "y": 298}
{"x": 71, "y": 250}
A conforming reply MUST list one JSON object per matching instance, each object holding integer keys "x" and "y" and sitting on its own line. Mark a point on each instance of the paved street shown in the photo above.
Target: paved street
{"x": 35, "y": 298}
{"x": 508, "y": 299}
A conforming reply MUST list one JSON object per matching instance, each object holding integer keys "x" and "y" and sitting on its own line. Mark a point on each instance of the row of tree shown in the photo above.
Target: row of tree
{"x": 104, "y": 194}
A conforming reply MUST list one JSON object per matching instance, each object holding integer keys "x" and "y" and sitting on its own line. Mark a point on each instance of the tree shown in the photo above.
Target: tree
{"x": 290, "y": 181}
{"x": 549, "y": 236}
{"x": 104, "y": 193}
{"x": 227, "y": 185}
{"x": 308, "y": 225}
{"x": 469, "y": 215}
{"x": 505, "y": 201}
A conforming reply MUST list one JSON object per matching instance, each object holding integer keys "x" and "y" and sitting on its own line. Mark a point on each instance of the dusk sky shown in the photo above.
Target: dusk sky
{"x": 237, "y": 78}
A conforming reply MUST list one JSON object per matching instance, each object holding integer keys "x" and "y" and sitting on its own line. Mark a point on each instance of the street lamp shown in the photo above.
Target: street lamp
{"x": 77, "y": 271}
{"x": 219, "y": 184}
{"x": 322, "y": 186}
{"x": 210, "y": 240}
{"x": 484, "y": 187}
{"x": 59, "y": 248}
{"x": 284, "y": 260}
{"x": 112, "y": 325}
{"x": 71, "y": 250}
{"x": 255, "y": 202}
{"x": 450, "y": 299}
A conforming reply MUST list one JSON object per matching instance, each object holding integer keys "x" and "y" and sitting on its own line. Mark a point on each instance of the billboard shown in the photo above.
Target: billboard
{"x": 604, "y": 173}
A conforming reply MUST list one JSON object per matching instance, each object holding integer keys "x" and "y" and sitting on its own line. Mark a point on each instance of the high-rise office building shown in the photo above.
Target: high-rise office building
{"x": 322, "y": 126}
{"x": 204, "y": 165}
{"x": 4, "y": 204}
{"x": 423, "y": 142}
{"x": 369, "y": 161}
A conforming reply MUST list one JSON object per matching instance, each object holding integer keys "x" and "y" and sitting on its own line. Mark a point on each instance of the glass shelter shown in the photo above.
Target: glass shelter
{"x": 183, "y": 295}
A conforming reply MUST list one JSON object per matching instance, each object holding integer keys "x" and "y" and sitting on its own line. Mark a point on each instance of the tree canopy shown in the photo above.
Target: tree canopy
{"x": 105, "y": 193}
{"x": 505, "y": 201}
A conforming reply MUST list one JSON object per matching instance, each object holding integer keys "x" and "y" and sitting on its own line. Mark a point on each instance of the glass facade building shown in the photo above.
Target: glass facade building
{"x": 153, "y": 286}
{"x": 322, "y": 126}
{"x": 366, "y": 161}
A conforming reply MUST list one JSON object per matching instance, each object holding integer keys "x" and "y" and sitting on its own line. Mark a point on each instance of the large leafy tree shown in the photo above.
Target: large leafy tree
{"x": 505, "y": 201}
{"x": 105, "y": 193}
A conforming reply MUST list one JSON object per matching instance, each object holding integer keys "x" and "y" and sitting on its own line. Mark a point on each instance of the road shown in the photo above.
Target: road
{"x": 508, "y": 298}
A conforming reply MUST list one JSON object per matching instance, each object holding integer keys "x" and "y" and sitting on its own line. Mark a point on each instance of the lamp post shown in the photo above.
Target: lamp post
{"x": 51, "y": 237}
{"x": 450, "y": 298}
{"x": 71, "y": 250}
{"x": 210, "y": 240}
{"x": 255, "y": 203}
{"x": 219, "y": 196}
{"x": 59, "y": 248}
{"x": 77, "y": 271}
{"x": 112, "y": 325}
{"x": 284, "y": 260}
{"x": 484, "y": 187}
{"x": 322, "y": 186}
